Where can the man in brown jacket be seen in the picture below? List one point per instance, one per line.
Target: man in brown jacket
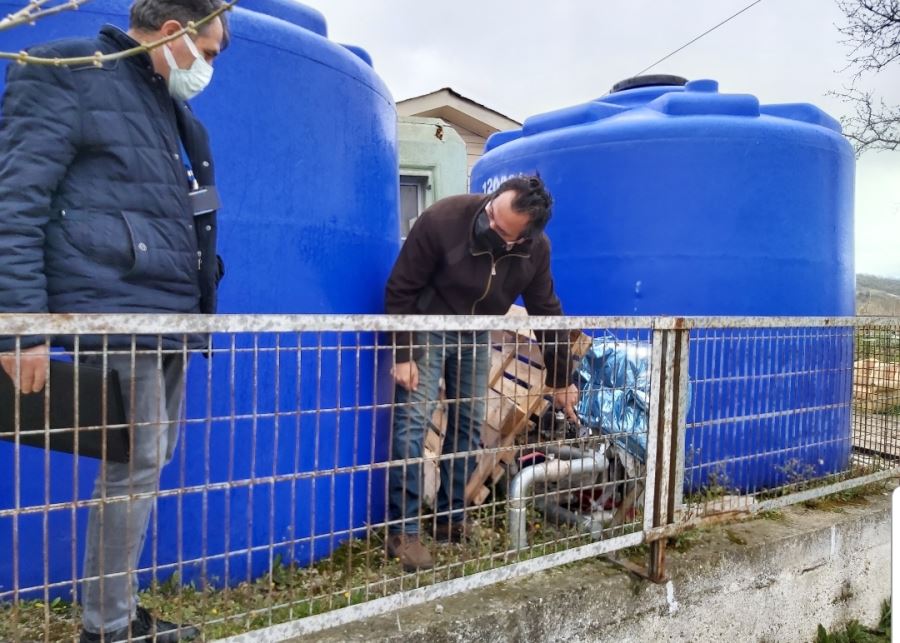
(471, 254)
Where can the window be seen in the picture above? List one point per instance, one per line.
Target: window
(412, 201)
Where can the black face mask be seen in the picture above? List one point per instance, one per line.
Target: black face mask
(485, 237)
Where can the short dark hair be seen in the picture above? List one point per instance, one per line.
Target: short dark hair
(150, 15)
(532, 198)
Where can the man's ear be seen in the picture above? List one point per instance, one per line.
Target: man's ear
(170, 27)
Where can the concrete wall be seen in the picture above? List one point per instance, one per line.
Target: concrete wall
(430, 147)
(474, 147)
(759, 580)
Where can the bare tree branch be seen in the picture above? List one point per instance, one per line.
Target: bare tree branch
(33, 12)
(872, 33)
(98, 59)
(874, 125)
(17, 16)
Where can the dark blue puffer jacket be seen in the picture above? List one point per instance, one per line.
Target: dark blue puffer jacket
(94, 208)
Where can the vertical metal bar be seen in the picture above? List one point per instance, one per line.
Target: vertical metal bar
(428, 414)
(823, 398)
(857, 436)
(207, 480)
(762, 392)
(373, 428)
(681, 387)
(101, 546)
(298, 426)
(254, 427)
(179, 426)
(794, 367)
(354, 460)
(488, 350)
(761, 374)
(663, 455)
(780, 381)
(657, 383)
(276, 426)
(232, 430)
(391, 433)
(76, 461)
(17, 475)
(664, 437)
(335, 462)
(742, 351)
(721, 412)
(847, 361)
(45, 517)
(316, 437)
(702, 403)
(476, 399)
(146, 425)
(745, 410)
(670, 361)
(295, 470)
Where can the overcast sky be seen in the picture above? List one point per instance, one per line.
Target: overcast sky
(529, 56)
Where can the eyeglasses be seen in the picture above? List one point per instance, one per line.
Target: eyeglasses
(489, 209)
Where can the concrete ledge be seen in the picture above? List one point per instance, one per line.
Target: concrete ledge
(758, 580)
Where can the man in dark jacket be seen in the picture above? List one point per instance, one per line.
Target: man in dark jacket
(96, 216)
(466, 255)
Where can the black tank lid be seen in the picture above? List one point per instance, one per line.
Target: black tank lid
(651, 80)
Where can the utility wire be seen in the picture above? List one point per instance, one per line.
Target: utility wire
(707, 32)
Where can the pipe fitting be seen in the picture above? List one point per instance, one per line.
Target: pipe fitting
(548, 471)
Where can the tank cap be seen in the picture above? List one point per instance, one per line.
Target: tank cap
(704, 85)
(360, 53)
(650, 80)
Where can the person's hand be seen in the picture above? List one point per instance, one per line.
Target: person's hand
(406, 374)
(33, 363)
(566, 399)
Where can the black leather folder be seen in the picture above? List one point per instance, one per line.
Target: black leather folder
(96, 422)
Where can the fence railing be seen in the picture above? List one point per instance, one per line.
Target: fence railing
(301, 471)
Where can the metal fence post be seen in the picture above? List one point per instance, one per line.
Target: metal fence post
(668, 402)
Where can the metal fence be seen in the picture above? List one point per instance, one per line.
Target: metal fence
(297, 460)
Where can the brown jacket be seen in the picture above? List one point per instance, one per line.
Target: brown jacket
(442, 270)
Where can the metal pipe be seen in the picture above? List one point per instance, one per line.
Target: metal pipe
(556, 514)
(566, 452)
(547, 471)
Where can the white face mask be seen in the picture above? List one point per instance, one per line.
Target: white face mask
(184, 84)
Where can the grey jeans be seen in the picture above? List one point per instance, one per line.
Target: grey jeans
(152, 391)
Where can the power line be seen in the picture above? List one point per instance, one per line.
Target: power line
(708, 31)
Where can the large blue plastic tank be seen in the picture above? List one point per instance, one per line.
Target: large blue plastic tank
(304, 137)
(679, 200)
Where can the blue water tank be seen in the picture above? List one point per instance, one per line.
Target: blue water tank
(304, 137)
(676, 199)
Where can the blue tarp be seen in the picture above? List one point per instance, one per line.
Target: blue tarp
(615, 391)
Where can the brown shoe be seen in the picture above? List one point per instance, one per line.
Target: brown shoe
(453, 532)
(409, 549)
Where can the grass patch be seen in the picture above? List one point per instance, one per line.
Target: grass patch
(853, 632)
(356, 572)
(637, 554)
(857, 496)
(686, 540)
(771, 514)
(58, 620)
(717, 486)
(805, 480)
